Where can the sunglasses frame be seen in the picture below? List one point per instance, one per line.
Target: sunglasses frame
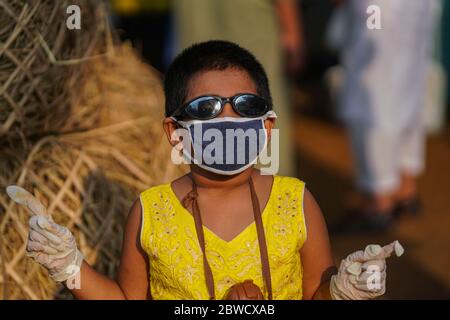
(223, 101)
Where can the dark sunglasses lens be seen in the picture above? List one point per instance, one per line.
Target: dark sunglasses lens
(251, 106)
(203, 108)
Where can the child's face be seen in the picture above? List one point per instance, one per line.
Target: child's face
(224, 83)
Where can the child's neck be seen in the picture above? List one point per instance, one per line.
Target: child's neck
(207, 180)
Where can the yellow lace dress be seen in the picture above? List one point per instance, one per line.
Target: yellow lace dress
(169, 238)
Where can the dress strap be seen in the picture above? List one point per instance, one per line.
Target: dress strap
(261, 239)
(191, 200)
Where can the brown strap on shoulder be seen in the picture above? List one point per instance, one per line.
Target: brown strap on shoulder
(190, 200)
(261, 239)
(192, 197)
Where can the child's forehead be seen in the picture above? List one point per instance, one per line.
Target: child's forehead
(225, 83)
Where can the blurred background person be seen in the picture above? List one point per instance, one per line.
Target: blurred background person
(382, 106)
(270, 29)
(445, 39)
(147, 24)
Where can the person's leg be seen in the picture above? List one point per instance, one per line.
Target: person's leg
(411, 161)
(408, 186)
(412, 158)
(377, 177)
(375, 156)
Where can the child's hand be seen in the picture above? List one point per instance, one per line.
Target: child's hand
(49, 244)
(54, 247)
(362, 275)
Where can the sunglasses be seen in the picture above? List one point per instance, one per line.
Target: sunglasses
(208, 107)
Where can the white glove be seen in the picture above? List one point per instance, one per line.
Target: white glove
(362, 275)
(50, 244)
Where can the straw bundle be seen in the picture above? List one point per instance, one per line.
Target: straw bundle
(40, 69)
(85, 156)
(34, 40)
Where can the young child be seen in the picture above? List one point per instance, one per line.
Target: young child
(165, 255)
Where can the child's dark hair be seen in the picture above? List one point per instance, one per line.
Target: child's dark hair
(206, 56)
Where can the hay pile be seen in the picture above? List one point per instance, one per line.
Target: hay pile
(84, 136)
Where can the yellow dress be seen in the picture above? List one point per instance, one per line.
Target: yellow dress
(169, 238)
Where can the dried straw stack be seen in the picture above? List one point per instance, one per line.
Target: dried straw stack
(79, 128)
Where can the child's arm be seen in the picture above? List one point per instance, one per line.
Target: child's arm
(54, 247)
(317, 260)
(132, 280)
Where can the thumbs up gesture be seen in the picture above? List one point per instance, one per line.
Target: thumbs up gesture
(362, 275)
(51, 245)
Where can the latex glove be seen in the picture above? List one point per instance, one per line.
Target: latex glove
(49, 244)
(362, 275)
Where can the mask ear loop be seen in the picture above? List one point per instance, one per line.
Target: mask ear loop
(270, 114)
(188, 155)
(174, 120)
(182, 126)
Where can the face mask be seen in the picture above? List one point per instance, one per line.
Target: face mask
(225, 145)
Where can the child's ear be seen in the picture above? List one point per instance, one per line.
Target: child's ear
(170, 126)
(269, 123)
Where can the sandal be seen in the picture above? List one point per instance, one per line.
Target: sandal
(364, 221)
(412, 207)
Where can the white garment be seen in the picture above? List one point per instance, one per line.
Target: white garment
(384, 89)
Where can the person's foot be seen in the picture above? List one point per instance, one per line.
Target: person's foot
(407, 201)
(412, 207)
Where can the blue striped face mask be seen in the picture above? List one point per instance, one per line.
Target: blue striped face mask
(225, 145)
